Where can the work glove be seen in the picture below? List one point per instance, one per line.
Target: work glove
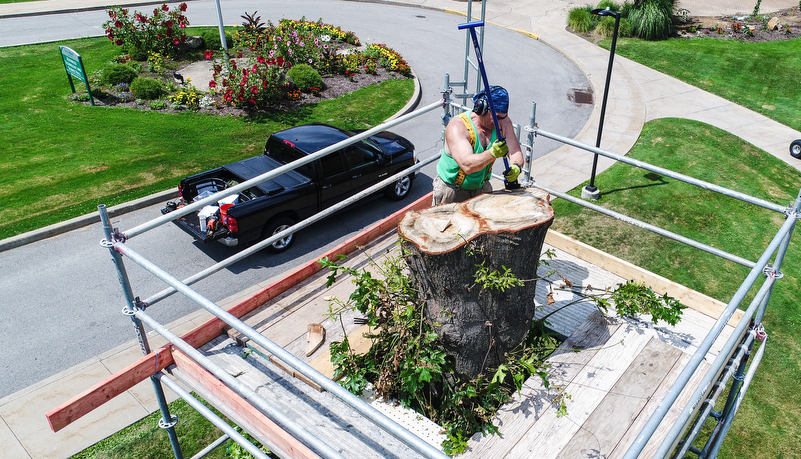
(499, 149)
(512, 173)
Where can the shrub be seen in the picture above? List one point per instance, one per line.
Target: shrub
(580, 19)
(305, 77)
(607, 27)
(189, 97)
(139, 34)
(253, 85)
(211, 39)
(158, 105)
(117, 73)
(146, 88)
(652, 19)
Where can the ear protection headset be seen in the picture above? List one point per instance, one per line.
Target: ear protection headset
(480, 102)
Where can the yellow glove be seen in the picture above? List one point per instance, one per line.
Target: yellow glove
(499, 149)
(512, 173)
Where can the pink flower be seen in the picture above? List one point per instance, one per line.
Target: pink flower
(183, 26)
(310, 61)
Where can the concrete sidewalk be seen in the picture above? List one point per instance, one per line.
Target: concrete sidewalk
(637, 94)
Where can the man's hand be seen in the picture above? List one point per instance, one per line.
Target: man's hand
(512, 173)
(499, 149)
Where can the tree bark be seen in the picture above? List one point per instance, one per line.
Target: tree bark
(449, 243)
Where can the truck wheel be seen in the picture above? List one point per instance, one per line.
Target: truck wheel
(399, 189)
(276, 226)
(795, 148)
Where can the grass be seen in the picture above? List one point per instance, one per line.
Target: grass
(764, 77)
(63, 158)
(146, 440)
(768, 424)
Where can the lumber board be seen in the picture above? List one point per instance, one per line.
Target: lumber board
(688, 297)
(280, 440)
(516, 417)
(602, 431)
(100, 393)
(551, 433)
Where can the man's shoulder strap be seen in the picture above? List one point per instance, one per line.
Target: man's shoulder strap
(465, 117)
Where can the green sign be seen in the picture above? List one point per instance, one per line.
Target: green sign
(74, 67)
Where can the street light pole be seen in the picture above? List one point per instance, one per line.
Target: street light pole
(591, 191)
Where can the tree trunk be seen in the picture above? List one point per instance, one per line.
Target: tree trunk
(449, 243)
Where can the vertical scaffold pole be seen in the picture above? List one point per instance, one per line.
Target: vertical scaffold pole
(168, 421)
(532, 123)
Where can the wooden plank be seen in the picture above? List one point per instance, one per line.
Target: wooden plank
(671, 416)
(610, 421)
(551, 433)
(282, 440)
(516, 417)
(82, 404)
(91, 398)
(688, 297)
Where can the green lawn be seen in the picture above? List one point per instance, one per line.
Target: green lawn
(769, 422)
(765, 77)
(61, 158)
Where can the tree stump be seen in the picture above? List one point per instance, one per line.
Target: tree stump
(447, 245)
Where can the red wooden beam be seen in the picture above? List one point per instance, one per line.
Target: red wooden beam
(85, 402)
(246, 412)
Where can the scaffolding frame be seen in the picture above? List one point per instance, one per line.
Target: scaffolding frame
(730, 363)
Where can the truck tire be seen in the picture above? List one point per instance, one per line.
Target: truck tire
(795, 149)
(277, 225)
(399, 189)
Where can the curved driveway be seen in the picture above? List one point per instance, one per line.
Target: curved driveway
(60, 297)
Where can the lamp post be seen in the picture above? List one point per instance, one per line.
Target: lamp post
(591, 191)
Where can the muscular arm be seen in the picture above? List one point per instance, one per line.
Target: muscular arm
(457, 144)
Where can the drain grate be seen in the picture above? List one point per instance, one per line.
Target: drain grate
(580, 96)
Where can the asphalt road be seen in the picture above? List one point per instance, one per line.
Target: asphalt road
(60, 300)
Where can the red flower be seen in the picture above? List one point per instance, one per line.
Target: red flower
(165, 7)
(168, 23)
(254, 90)
(176, 41)
(280, 61)
(255, 69)
(260, 60)
(118, 42)
(125, 11)
(208, 55)
(111, 14)
(155, 12)
(118, 24)
(182, 7)
(158, 35)
(183, 26)
(212, 84)
(252, 101)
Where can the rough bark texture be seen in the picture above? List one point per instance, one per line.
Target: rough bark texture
(446, 246)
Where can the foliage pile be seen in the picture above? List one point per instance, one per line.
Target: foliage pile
(406, 363)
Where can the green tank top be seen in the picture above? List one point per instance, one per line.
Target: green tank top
(450, 172)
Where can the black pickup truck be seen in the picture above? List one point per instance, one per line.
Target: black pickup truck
(274, 205)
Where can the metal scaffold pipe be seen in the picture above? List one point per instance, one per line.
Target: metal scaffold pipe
(666, 172)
